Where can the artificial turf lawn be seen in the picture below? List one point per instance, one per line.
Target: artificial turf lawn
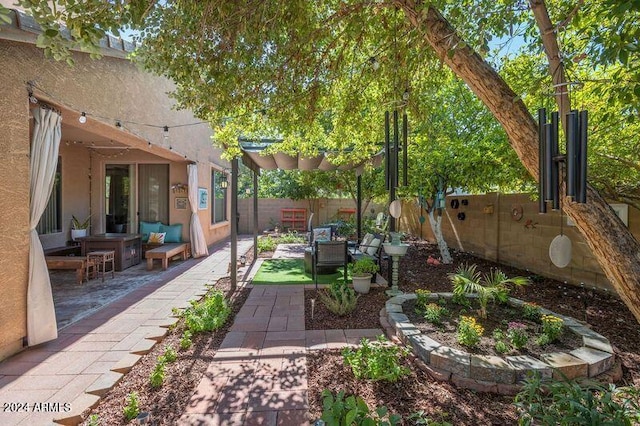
(291, 271)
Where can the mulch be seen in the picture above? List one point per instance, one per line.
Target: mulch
(439, 401)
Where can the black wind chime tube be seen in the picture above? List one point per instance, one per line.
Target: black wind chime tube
(405, 150)
(548, 162)
(555, 167)
(582, 158)
(396, 151)
(572, 148)
(542, 121)
(387, 152)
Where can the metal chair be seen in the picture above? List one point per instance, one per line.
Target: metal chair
(329, 253)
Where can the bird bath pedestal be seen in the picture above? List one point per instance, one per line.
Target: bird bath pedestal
(396, 251)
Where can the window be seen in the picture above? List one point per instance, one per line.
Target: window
(218, 197)
(51, 220)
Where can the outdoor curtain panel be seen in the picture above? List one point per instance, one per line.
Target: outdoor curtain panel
(198, 243)
(41, 316)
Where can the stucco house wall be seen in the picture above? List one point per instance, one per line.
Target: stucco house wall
(109, 89)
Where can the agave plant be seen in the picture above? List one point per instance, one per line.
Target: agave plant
(488, 287)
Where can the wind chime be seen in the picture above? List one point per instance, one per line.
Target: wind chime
(550, 161)
(392, 154)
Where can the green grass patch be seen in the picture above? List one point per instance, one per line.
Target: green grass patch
(291, 271)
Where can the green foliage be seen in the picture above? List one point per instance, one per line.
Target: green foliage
(208, 314)
(290, 238)
(488, 287)
(552, 327)
(462, 300)
(156, 378)
(170, 354)
(566, 402)
(501, 347)
(266, 243)
(379, 360)
(517, 335)
(421, 418)
(363, 266)
(131, 409)
(422, 298)
(94, 420)
(468, 331)
(543, 340)
(339, 298)
(352, 410)
(78, 224)
(531, 311)
(185, 340)
(433, 313)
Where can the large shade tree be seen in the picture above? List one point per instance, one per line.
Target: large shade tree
(295, 59)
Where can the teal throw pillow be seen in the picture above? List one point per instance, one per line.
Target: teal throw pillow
(147, 228)
(174, 233)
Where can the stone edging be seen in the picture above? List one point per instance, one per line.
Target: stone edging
(500, 374)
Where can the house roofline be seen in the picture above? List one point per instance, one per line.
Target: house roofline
(24, 28)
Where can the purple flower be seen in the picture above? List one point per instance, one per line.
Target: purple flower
(513, 325)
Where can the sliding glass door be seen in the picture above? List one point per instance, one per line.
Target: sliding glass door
(153, 193)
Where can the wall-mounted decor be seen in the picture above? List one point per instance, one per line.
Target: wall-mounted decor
(203, 198)
(516, 212)
(465, 202)
(488, 209)
(179, 188)
(461, 216)
(455, 204)
(181, 203)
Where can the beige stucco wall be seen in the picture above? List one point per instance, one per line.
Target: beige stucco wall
(107, 89)
(490, 231)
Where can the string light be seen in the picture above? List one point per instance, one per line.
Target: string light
(166, 133)
(118, 124)
(83, 118)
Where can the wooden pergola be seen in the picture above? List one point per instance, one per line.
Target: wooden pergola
(256, 159)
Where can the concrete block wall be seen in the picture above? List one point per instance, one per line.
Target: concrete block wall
(491, 230)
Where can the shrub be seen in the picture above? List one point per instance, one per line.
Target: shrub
(469, 332)
(566, 402)
(185, 340)
(364, 265)
(131, 410)
(266, 243)
(433, 313)
(488, 287)
(208, 314)
(542, 340)
(531, 311)
(288, 238)
(552, 326)
(339, 298)
(422, 298)
(517, 334)
(501, 347)
(170, 354)
(338, 410)
(379, 360)
(156, 378)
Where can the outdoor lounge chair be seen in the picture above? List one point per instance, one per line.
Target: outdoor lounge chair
(329, 253)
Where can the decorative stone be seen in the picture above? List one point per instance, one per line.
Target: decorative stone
(492, 369)
(516, 303)
(393, 307)
(406, 329)
(423, 345)
(524, 364)
(453, 360)
(476, 385)
(435, 373)
(598, 362)
(505, 389)
(565, 365)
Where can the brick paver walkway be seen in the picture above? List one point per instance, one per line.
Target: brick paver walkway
(259, 375)
(56, 381)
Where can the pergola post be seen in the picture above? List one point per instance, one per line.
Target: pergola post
(255, 215)
(234, 222)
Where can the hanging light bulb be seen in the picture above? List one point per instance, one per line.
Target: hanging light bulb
(374, 63)
(83, 118)
(118, 124)
(405, 95)
(166, 133)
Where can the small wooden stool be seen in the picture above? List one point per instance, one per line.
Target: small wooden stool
(100, 260)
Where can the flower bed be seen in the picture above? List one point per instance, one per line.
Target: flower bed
(501, 374)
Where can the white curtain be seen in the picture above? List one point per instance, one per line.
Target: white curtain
(41, 315)
(198, 242)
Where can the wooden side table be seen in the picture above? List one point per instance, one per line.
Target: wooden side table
(100, 260)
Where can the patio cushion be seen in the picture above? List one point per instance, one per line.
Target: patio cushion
(322, 234)
(366, 241)
(174, 233)
(147, 228)
(373, 247)
(157, 238)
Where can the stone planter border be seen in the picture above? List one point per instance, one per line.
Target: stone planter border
(500, 374)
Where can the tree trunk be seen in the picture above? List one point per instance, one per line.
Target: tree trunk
(436, 227)
(612, 244)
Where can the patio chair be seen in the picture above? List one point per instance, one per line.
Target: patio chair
(331, 254)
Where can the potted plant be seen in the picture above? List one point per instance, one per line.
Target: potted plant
(362, 272)
(79, 228)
